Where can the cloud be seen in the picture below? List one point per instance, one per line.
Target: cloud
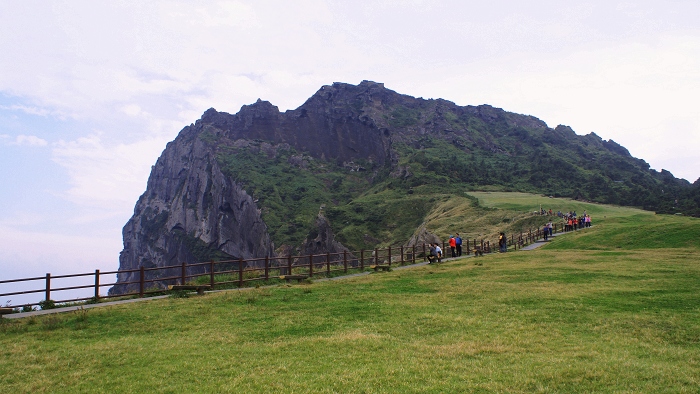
(107, 175)
(221, 13)
(31, 110)
(25, 140)
(132, 110)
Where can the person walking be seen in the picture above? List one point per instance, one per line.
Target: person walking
(453, 246)
(458, 245)
(502, 242)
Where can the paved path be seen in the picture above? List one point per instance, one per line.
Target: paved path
(76, 308)
(539, 242)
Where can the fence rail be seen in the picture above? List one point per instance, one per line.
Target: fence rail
(240, 272)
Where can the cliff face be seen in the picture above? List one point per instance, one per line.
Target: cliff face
(194, 211)
(324, 127)
(191, 212)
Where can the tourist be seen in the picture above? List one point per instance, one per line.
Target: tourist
(503, 243)
(458, 244)
(433, 253)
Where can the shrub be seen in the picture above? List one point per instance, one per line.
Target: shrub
(47, 304)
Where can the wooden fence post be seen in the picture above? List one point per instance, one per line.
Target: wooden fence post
(97, 285)
(211, 274)
(267, 267)
(311, 265)
(345, 261)
(362, 260)
(413, 253)
(142, 281)
(388, 252)
(402, 256)
(289, 264)
(183, 273)
(328, 264)
(425, 256)
(48, 287)
(240, 272)
(376, 256)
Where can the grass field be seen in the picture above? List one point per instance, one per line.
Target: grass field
(614, 308)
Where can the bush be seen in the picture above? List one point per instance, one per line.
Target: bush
(47, 304)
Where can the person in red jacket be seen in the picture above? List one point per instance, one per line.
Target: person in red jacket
(453, 245)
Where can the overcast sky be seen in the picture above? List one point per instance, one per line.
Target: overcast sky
(91, 91)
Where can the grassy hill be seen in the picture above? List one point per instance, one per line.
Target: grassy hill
(614, 308)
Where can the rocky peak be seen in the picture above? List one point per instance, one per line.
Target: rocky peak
(321, 239)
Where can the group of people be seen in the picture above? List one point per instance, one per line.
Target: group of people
(456, 245)
(435, 253)
(548, 230)
(455, 249)
(573, 222)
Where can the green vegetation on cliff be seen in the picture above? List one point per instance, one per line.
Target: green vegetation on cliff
(370, 205)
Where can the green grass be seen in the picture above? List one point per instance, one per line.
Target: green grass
(620, 317)
(531, 202)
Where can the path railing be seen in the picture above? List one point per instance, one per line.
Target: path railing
(241, 272)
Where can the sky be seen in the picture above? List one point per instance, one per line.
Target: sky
(92, 91)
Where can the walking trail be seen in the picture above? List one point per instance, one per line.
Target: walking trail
(532, 246)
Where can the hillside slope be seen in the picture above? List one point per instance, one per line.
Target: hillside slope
(614, 308)
(376, 164)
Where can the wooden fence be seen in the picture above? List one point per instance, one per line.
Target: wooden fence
(245, 272)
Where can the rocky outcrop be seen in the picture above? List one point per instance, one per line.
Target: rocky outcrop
(324, 127)
(321, 240)
(191, 212)
(422, 236)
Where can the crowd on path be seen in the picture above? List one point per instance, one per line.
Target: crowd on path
(571, 222)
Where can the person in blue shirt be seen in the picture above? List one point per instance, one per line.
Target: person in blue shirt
(458, 245)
